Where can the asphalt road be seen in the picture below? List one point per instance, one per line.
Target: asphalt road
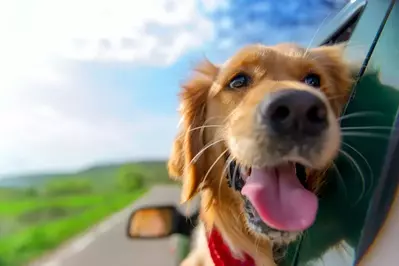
(107, 245)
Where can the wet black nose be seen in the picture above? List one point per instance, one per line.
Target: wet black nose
(294, 113)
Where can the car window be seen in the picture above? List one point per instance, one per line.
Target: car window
(384, 62)
(345, 200)
(345, 33)
(341, 26)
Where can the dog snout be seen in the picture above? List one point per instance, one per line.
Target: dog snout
(294, 113)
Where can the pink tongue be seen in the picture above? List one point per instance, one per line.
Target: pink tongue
(280, 199)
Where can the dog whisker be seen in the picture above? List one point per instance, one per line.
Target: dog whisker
(316, 32)
(203, 127)
(320, 27)
(225, 172)
(214, 163)
(359, 114)
(235, 175)
(358, 168)
(368, 127)
(195, 158)
(340, 178)
(365, 161)
(212, 118)
(205, 124)
(364, 134)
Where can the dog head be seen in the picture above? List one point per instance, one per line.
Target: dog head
(267, 119)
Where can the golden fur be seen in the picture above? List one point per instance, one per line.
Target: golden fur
(215, 120)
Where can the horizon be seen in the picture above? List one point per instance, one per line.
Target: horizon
(82, 168)
(103, 87)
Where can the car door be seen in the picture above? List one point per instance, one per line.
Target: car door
(383, 68)
(367, 122)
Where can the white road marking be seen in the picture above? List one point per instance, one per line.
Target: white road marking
(52, 263)
(104, 228)
(84, 241)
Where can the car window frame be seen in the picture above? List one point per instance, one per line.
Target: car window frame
(378, 206)
(384, 194)
(340, 21)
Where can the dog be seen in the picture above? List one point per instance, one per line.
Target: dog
(256, 137)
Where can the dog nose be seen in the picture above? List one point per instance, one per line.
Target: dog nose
(294, 113)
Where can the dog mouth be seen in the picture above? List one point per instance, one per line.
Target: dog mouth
(278, 194)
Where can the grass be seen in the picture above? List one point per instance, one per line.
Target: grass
(24, 205)
(37, 217)
(36, 239)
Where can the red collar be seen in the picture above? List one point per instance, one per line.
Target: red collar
(221, 254)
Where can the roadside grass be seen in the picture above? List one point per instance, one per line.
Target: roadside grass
(31, 241)
(35, 220)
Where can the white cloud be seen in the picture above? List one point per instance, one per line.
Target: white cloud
(50, 116)
(68, 124)
(151, 31)
(212, 5)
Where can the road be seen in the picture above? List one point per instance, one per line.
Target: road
(107, 245)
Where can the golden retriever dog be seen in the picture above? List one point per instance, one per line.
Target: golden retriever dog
(256, 137)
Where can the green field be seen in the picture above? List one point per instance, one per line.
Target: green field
(39, 212)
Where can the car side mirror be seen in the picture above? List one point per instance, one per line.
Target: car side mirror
(154, 222)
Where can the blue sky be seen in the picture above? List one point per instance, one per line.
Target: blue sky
(91, 81)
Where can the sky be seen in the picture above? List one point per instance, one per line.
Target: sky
(84, 82)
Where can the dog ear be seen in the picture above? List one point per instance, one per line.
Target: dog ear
(341, 71)
(187, 160)
(333, 59)
(176, 159)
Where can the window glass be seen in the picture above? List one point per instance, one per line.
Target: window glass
(345, 33)
(384, 63)
(345, 199)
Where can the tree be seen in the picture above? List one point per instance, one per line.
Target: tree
(130, 179)
(59, 187)
(31, 192)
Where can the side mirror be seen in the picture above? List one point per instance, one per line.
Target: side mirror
(154, 222)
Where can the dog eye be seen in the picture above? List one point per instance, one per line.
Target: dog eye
(239, 81)
(312, 80)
